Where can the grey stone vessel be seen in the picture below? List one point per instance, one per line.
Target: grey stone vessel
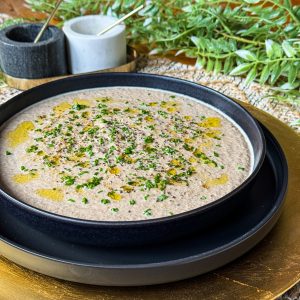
(21, 58)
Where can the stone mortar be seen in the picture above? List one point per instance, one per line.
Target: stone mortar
(20, 57)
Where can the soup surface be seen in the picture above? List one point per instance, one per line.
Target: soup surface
(121, 154)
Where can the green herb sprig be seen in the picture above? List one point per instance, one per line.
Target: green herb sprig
(257, 39)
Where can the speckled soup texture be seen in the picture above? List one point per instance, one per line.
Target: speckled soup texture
(122, 154)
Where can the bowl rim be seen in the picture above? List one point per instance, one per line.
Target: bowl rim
(143, 222)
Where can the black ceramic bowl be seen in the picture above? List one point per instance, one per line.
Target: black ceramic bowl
(133, 233)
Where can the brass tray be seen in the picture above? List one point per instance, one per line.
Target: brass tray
(266, 272)
(25, 83)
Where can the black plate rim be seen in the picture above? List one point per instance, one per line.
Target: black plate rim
(124, 224)
(270, 218)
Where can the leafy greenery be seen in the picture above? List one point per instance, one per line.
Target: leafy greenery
(252, 38)
(10, 22)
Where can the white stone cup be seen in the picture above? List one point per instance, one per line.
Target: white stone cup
(88, 52)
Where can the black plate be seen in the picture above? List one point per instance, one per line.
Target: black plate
(134, 233)
(147, 265)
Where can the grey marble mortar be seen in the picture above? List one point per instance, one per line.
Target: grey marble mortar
(20, 57)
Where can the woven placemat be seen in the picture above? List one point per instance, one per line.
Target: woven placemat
(234, 87)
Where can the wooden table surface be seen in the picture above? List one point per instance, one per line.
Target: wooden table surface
(17, 8)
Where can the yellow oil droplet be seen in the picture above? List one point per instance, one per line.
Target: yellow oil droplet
(198, 152)
(207, 144)
(192, 160)
(61, 108)
(216, 181)
(188, 118)
(114, 195)
(20, 134)
(165, 104)
(172, 109)
(131, 111)
(55, 160)
(86, 164)
(85, 114)
(175, 163)
(173, 132)
(152, 104)
(188, 141)
(173, 103)
(114, 170)
(172, 172)
(127, 188)
(130, 160)
(149, 119)
(213, 133)
(192, 169)
(41, 153)
(80, 191)
(210, 122)
(51, 194)
(126, 158)
(82, 102)
(87, 127)
(76, 158)
(25, 178)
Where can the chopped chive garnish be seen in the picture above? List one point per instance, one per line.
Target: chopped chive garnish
(85, 200)
(105, 201)
(148, 212)
(161, 198)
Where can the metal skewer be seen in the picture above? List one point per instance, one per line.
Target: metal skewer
(40, 34)
(120, 20)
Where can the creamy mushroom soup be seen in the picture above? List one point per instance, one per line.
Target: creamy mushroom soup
(121, 154)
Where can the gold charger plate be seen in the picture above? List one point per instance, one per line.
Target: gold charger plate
(265, 272)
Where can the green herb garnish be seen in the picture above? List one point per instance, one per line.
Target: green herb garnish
(32, 148)
(85, 200)
(148, 139)
(68, 180)
(78, 106)
(148, 212)
(161, 198)
(105, 201)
